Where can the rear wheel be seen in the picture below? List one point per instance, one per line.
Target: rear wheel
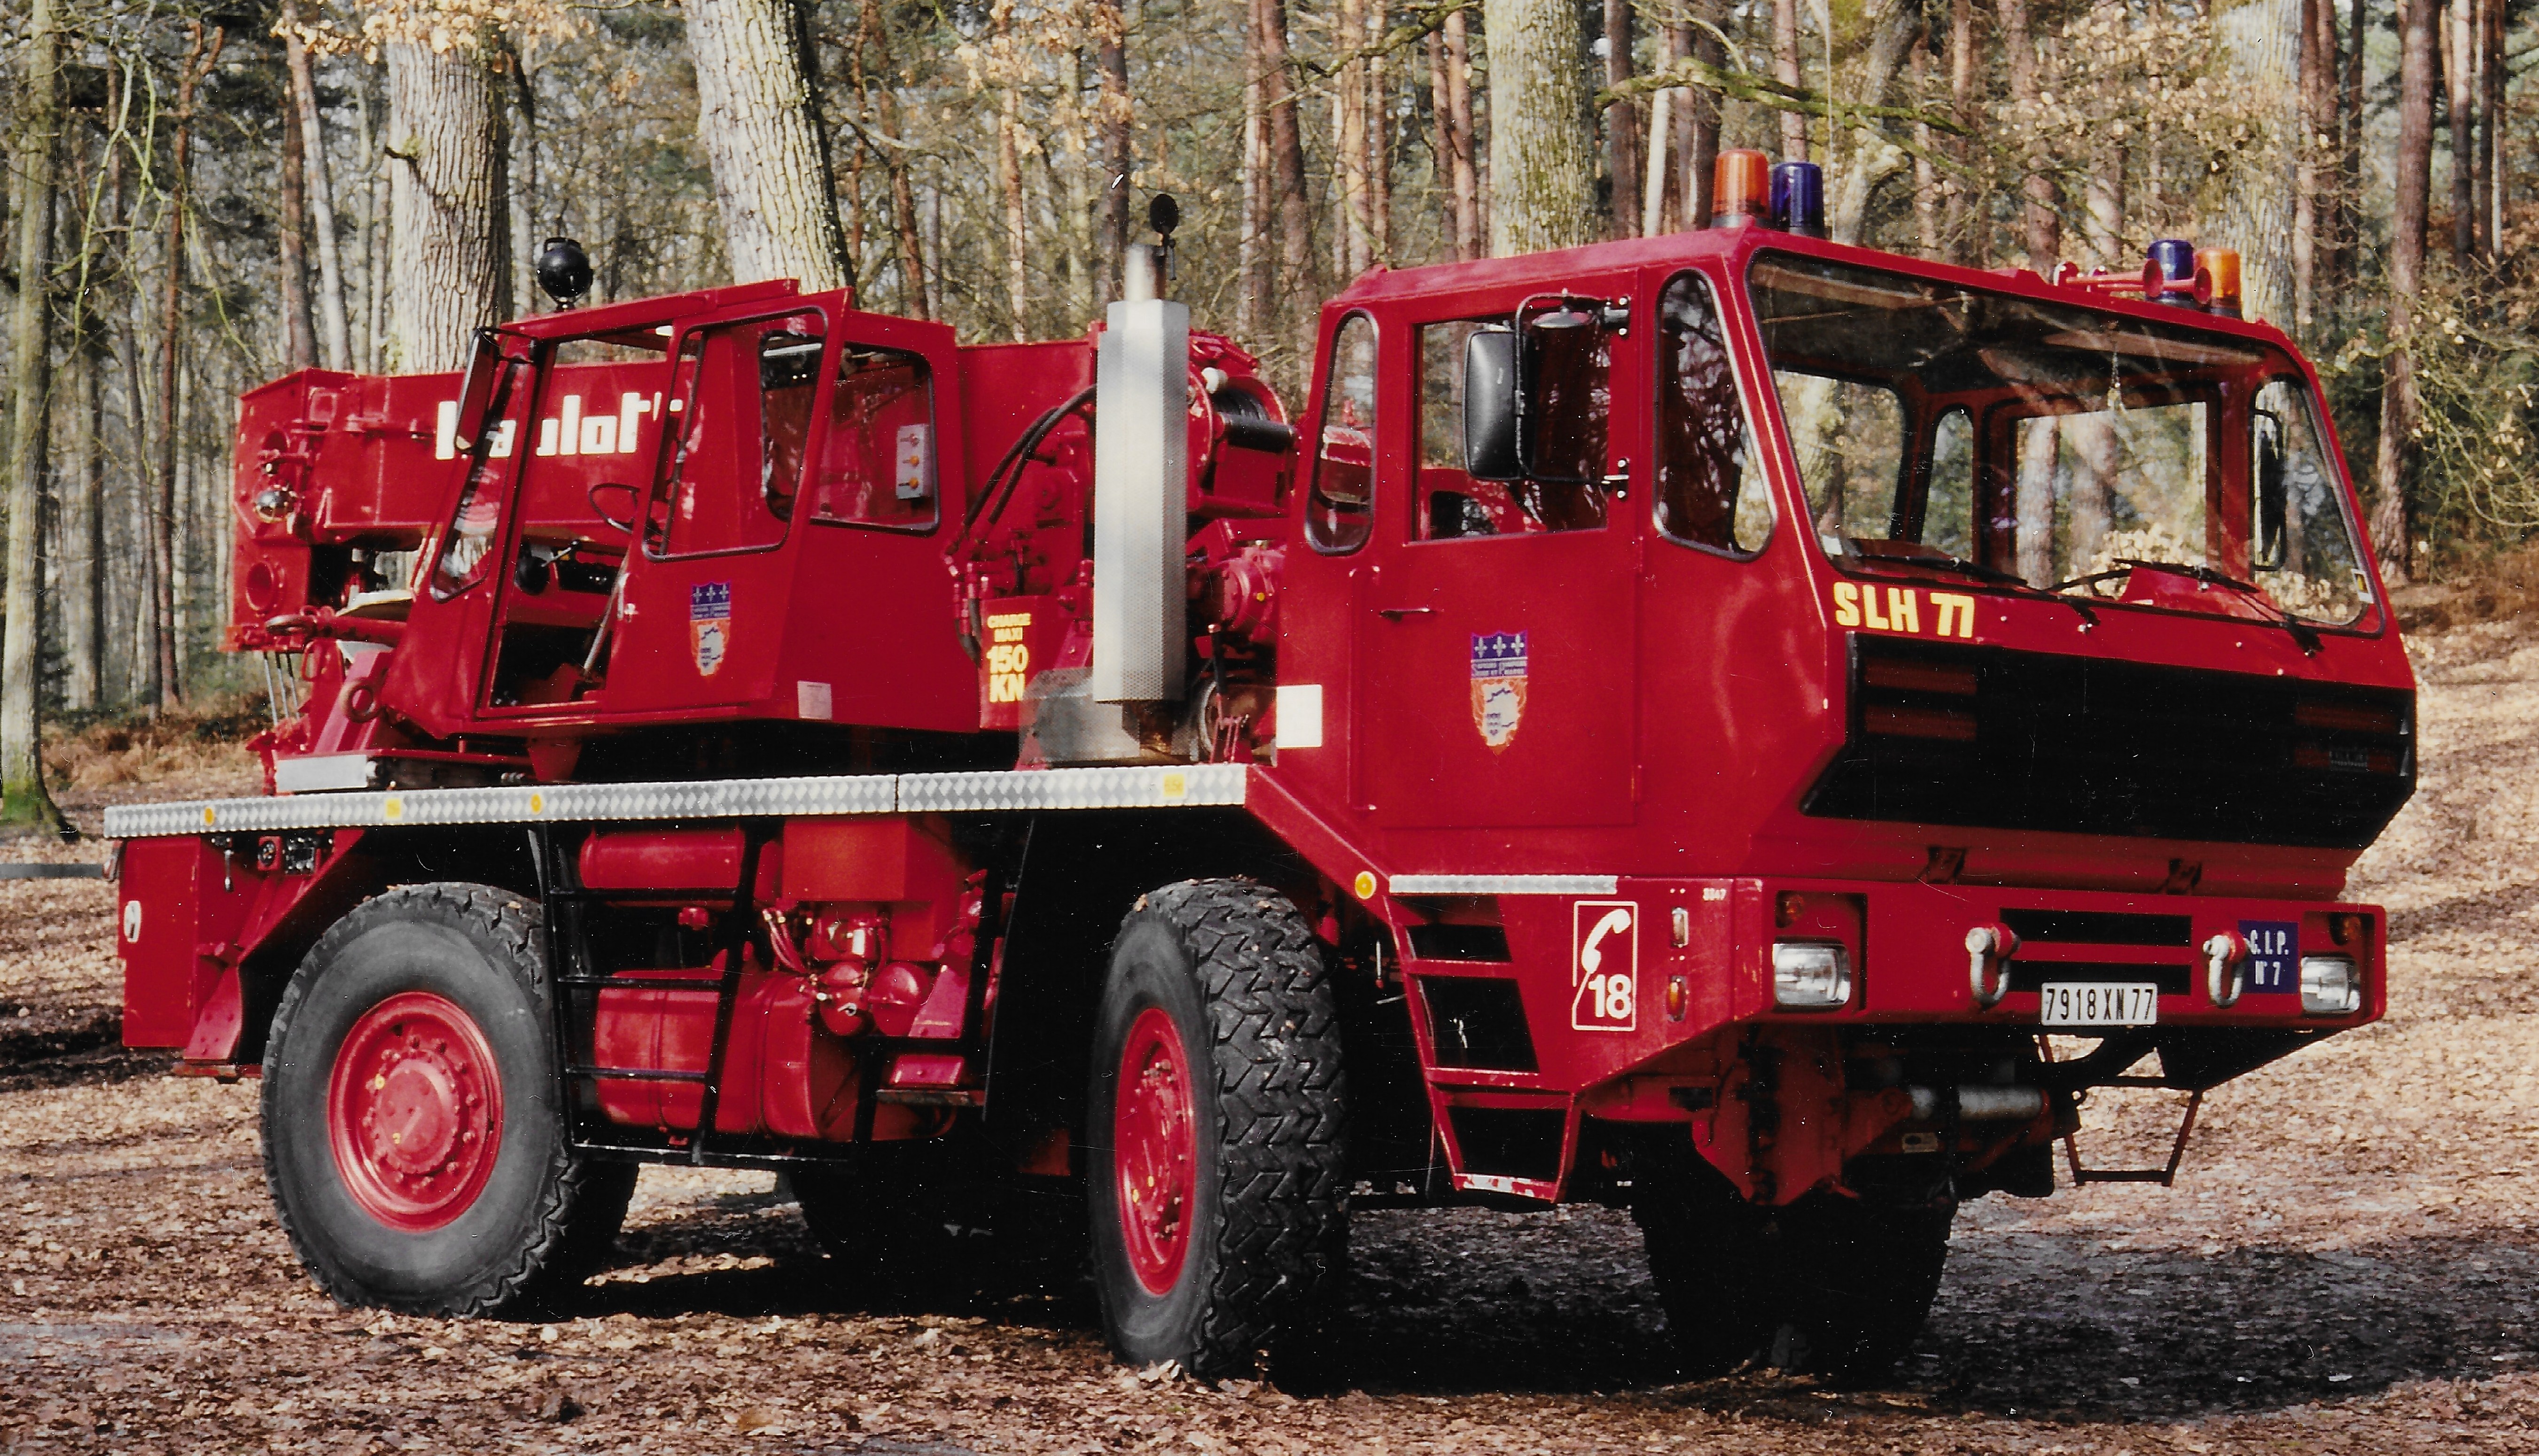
(1215, 1172)
(411, 1138)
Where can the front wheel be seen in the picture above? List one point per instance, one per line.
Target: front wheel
(411, 1138)
(1830, 1286)
(1215, 1173)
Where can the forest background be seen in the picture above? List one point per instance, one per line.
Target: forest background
(202, 196)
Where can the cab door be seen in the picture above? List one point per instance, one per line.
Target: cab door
(1498, 618)
(704, 607)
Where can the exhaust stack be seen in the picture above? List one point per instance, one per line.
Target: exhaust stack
(1140, 490)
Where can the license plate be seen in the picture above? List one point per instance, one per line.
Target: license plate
(2096, 1003)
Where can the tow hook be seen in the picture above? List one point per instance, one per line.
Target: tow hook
(2225, 964)
(1988, 952)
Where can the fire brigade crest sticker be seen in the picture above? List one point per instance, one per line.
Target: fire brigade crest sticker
(1498, 686)
(710, 624)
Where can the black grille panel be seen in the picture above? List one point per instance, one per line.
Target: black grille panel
(2089, 746)
(2099, 926)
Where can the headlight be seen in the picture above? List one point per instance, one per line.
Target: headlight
(2330, 986)
(1810, 975)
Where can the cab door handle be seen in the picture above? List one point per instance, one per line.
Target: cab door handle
(1397, 613)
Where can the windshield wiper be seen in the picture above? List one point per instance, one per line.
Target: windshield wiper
(2303, 634)
(1993, 575)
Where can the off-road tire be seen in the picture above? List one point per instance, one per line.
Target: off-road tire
(1711, 1256)
(543, 1221)
(1859, 1275)
(1828, 1285)
(1235, 969)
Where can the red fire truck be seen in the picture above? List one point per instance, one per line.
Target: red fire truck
(1736, 725)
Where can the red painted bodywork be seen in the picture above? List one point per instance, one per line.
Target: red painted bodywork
(1680, 705)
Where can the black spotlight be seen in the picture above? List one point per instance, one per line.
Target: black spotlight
(564, 271)
(1163, 215)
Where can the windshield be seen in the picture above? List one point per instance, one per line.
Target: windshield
(2074, 449)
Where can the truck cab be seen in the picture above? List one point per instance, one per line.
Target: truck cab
(1902, 660)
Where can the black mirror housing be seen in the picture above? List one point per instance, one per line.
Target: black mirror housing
(2267, 551)
(1491, 406)
(476, 395)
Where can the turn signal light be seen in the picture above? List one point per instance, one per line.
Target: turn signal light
(1919, 678)
(1900, 720)
(2349, 718)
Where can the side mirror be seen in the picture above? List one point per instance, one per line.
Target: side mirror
(2266, 554)
(476, 395)
(1491, 406)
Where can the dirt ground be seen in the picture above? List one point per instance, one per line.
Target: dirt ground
(2349, 1261)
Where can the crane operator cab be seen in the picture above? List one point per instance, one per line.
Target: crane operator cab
(681, 481)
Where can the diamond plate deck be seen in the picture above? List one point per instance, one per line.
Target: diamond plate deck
(1194, 786)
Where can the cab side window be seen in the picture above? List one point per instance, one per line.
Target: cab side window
(1340, 512)
(1566, 357)
(1710, 492)
(741, 422)
(878, 467)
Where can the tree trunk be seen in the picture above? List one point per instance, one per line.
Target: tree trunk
(1441, 144)
(1379, 151)
(1926, 177)
(203, 53)
(1009, 181)
(2349, 145)
(2410, 200)
(375, 232)
(1785, 69)
(335, 330)
(1962, 103)
(2459, 71)
(1622, 123)
(1278, 104)
(908, 240)
(2491, 185)
(1701, 145)
(1543, 158)
(1117, 115)
(2313, 67)
(1353, 248)
(1874, 160)
(762, 137)
(520, 192)
(447, 272)
(1251, 290)
(2043, 224)
(80, 556)
(1465, 175)
(22, 800)
(298, 343)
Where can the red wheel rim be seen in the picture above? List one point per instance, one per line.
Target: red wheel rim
(414, 1109)
(1157, 1152)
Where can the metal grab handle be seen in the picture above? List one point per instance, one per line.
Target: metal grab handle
(1397, 613)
